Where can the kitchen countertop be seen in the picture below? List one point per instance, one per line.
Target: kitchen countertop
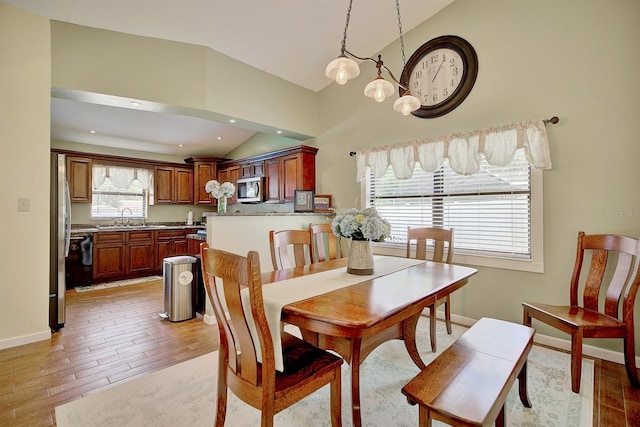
(268, 213)
(95, 229)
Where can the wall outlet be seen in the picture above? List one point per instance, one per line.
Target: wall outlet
(24, 204)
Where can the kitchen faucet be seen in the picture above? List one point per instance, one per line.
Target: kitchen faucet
(122, 215)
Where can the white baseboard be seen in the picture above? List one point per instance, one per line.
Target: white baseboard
(25, 339)
(558, 343)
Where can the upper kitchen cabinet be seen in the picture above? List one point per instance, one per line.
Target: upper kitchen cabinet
(203, 172)
(284, 170)
(230, 173)
(252, 169)
(173, 185)
(79, 179)
(294, 169)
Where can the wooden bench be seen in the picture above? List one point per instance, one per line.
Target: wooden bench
(468, 384)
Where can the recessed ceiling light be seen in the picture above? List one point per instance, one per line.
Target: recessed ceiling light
(92, 131)
(219, 138)
(232, 120)
(278, 131)
(135, 103)
(181, 145)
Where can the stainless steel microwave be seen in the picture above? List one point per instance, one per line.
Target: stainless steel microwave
(250, 190)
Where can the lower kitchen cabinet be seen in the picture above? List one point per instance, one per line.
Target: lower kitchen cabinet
(172, 243)
(140, 252)
(109, 255)
(135, 253)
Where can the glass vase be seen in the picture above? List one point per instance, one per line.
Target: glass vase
(222, 204)
(360, 260)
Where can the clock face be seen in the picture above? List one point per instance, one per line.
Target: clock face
(436, 76)
(440, 74)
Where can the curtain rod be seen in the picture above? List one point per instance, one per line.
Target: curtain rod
(553, 120)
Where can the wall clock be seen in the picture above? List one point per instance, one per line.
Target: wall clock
(440, 74)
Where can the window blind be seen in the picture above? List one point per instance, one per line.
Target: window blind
(490, 210)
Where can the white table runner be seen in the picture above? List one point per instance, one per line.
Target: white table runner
(277, 295)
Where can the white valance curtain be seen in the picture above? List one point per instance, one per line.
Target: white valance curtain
(464, 151)
(121, 177)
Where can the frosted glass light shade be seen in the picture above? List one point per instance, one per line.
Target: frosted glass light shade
(406, 104)
(342, 69)
(378, 89)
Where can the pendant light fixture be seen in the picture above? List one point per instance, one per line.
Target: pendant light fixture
(343, 69)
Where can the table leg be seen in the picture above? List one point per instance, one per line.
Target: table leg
(354, 363)
(409, 337)
(522, 386)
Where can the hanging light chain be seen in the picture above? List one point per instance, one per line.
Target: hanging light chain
(404, 62)
(346, 25)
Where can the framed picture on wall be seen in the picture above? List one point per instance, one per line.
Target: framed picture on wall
(322, 202)
(303, 201)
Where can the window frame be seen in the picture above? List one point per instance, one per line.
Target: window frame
(534, 265)
(145, 194)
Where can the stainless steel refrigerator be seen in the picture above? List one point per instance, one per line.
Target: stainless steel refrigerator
(59, 240)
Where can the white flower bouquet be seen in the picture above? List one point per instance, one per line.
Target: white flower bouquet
(361, 225)
(217, 190)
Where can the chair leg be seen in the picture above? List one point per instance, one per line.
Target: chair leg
(447, 314)
(576, 360)
(336, 399)
(630, 359)
(221, 409)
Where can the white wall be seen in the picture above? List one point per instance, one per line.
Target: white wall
(25, 82)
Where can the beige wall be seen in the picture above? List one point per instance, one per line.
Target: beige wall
(25, 82)
(576, 59)
(177, 74)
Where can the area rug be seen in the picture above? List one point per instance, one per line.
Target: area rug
(184, 394)
(125, 282)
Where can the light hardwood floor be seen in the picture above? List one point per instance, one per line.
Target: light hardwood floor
(115, 335)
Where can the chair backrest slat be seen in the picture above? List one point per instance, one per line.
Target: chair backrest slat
(442, 243)
(612, 273)
(226, 275)
(324, 244)
(280, 243)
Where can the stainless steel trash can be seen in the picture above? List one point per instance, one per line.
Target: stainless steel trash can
(178, 282)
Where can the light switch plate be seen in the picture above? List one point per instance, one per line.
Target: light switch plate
(24, 204)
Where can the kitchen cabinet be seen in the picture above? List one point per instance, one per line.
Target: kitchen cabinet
(123, 253)
(288, 173)
(252, 169)
(135, 253)
(230, 174)
(173, 185)
(79, 179)
(171, 243)
(203, 172)
(272, 171)
(109, 255)
(140, 252)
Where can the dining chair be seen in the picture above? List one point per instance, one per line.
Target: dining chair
(442, 241)
(283, 243)
(612, 277)
(324, 244)
(248, 371)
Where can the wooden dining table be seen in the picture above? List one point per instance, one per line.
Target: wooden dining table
(354, 320)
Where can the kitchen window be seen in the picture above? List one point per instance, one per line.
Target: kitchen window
(116, 188)
(496, 212)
